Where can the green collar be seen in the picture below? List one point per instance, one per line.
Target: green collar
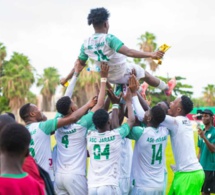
(17, 176)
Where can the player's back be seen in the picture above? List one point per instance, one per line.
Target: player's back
(71, 149)
(183, 145)
(104, 150)
(148, 158)
(40, 147)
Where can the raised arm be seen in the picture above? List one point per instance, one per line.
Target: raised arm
(101, 97)
(79, 63)
(128, 98)
(139, 54)
(76, 115)
(77, 69)
(115, 100)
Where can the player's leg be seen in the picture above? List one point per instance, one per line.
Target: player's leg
(209, 183)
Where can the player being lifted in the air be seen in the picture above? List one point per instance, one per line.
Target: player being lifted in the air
(105, 47)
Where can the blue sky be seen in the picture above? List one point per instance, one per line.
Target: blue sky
(50, 32)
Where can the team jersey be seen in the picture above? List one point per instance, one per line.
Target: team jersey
(207, 158)
(40, 145)
(182, 141)
(148, 158)
(72, 146)
(104, 47)
(19, 184)
(105, 153)
(126, 158)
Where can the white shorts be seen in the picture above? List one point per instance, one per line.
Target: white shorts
(105, 190)
(146, 191)
(124, 185)
(124, 79)
(71, 184)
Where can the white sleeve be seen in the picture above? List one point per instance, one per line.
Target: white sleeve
(70, 88)
(170, 123)
(138, 108)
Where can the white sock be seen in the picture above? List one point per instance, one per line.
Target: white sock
(162, 85)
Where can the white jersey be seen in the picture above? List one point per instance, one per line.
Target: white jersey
(105, 153)
(104, 47)
(126, 158)
(148, 158)
(182, 140)
(72, 146)
(40, 145)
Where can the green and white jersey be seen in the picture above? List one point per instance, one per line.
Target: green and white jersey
(126, 158)
(182, 141)
(149, 153)
(104, 47)
(72, 146)
(40, 145)
(207, 158)
(105, 154)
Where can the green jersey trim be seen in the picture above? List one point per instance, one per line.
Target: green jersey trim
(113, 42)
(16, 176)
(48, 126)
(83, 56)
(124, 130)
(136, 133)
(86, 120)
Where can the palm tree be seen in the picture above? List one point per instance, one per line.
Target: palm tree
(3, 54)
(49, 82)
(209, 94)
(85, 86)
(16, 80)
(147, 44)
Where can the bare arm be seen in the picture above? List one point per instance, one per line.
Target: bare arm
(79, 63)
(104, 74)
(143, 102)
(131, 118)
(139, 54)
(75, 116)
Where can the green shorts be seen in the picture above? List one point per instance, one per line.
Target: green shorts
(187, 183)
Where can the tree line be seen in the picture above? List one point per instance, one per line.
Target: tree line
(17, 76)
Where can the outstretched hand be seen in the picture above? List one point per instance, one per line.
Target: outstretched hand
(133, 84)
(128, 96)
(157, 55)
(92, 102)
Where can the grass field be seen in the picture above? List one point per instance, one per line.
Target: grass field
(169, 158)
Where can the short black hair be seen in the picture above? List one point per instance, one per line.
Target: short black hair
(100, 118)
(5, 120)
(24, 111)
(187, 104)
(14, 139)
(158, 115)
(63, 105)
(11, 115)
(98, 16)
